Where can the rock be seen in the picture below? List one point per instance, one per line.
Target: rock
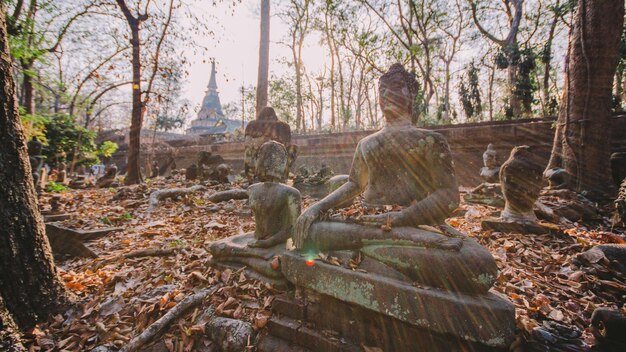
(230, 335)
(608, 327)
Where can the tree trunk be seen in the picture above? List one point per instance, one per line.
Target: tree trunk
(29, 89)
(515, 103)
(133, 174)
(29, 284)
(330, 40)
(581, 146)
(264, 57)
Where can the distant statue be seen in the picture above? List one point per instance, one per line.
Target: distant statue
(108, 180)
(491, 169)
(266, 127)
(154, 170)
(521, 179)
(35, 149)
(489, 191)
(62, 173)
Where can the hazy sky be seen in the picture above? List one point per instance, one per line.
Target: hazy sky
(235, 47)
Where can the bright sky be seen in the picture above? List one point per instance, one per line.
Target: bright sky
(235, 48)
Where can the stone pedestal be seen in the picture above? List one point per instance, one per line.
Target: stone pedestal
(348, 309)
(234, 253)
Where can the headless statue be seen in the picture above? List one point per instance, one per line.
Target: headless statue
(276, 207)
(265, 128)
(410, 167)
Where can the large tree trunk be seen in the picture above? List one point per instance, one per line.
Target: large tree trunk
(581, 146)
(29, 284)
(133, 173)
(264, 57)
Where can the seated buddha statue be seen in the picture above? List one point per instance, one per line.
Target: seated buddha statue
(411, 169)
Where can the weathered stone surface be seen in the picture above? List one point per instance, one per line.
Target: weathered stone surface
(235, 252)
(276, 207)
(265, 128)
(488, 319)
(66, 241)
(230, 335)
(615, 254)
(521, 180)
(108, 180)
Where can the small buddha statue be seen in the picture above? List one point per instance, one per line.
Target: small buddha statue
(62, 174)
(490, 171)
(35, 149)
(275, 206)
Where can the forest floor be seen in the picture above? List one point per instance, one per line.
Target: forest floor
(118, 296)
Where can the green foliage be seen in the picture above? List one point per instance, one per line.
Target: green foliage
(106, 149)
(282, 97)
(469, 92)
(55, 187)
(526, 83)
(65, 136)
(34, 126)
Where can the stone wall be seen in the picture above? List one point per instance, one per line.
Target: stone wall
(467, 142)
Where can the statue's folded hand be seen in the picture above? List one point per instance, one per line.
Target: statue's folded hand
(303, 224)
(378, 220)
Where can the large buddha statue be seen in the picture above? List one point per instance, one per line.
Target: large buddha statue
(401, 165)
(397, 277)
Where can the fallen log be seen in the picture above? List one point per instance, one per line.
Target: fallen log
(157, 196)
(160, 326)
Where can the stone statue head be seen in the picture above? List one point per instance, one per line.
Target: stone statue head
(267, 114)
(490, 157)
(397, 90)
(271, 162)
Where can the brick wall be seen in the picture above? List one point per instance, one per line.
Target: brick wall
(467, 142)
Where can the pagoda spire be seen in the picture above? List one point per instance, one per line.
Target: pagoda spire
(212, 81)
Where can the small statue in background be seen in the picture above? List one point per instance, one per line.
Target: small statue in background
(521, 179)
(35, 149)
(154, 171)
(491, 169)
(265, 128)
(62, 173)
(108, 180)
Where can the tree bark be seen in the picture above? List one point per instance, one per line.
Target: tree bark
(264, 57)
(10, 339)
(133, 173)
(581, 146)
(29, 284)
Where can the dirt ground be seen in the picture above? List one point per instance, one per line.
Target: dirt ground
(118, 295)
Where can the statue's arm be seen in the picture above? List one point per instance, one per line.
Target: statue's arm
(355, 185)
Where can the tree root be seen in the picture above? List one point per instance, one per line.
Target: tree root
(140, 254)
(157, 196)
(160, 326)
(228, 195)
